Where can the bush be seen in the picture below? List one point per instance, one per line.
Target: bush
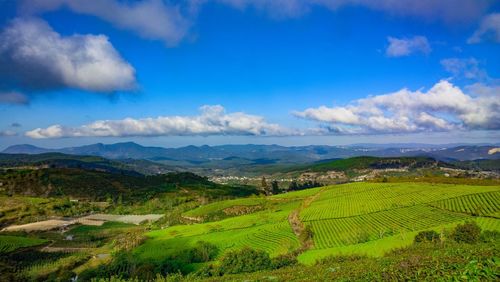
(489, 236)
(203, 252)
(171, 265)
(306, 234)
(427, 236)
(244, 260)
(469, 232)
(283, 261)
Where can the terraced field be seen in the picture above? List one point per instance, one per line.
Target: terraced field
(12, 243)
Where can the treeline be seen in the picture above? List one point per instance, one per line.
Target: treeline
(275, 188)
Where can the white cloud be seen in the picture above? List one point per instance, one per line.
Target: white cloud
(399, 47)
(443, 107)
(151, 19)
(13, 97)
(36, 57)
(212, 121)
(489, 29)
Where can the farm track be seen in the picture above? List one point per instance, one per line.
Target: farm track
(296, 223)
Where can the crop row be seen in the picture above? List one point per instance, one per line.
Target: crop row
(358, 229)
(476, 204)
(276, 238)
(360, 198)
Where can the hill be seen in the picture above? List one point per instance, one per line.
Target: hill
(96, 184)
(88, 162)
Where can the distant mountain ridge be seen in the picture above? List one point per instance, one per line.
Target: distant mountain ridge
(196, 155)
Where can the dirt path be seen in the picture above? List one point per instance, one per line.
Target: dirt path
(298, 226)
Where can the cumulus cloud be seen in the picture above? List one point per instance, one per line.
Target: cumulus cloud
(399, 47)
(35, 57)
(213, 120)
(444, 107)
(13, 97)
(151, 19)
(488, 30)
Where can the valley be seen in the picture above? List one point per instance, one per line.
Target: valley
(90, 217)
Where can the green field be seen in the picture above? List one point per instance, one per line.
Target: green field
(267, 230)
(12, 243)
(362, 218)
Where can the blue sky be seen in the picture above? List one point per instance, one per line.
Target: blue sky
(292, 73)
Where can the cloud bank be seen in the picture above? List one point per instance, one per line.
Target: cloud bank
(35, 57)
(150, 19)
(449, 11)
(212, 121)
(400, 47)
(444, 107)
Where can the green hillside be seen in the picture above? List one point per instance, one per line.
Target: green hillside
(102, 185)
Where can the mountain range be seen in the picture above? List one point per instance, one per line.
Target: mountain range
(265, 154)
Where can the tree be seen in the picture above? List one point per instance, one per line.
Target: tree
(245, 260)
(293, 186)
(275, 187)
(265, 187)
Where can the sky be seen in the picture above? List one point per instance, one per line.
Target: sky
(290, 72)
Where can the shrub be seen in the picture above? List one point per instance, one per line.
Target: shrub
(489, 236)
(203, 252)
(306, 234)
(172, 265)
(283, 261)
(468, 232)
(427, 236)
(244, 260)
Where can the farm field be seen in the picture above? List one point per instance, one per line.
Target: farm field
(39, 225)
(133, 219)
(363, 218)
